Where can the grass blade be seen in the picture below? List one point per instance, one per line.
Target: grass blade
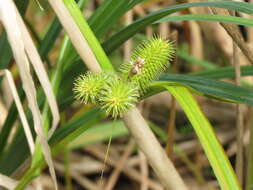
(224, 72)
(7, 182)
(214, 151)
(212, 88)
(88, 35)
(50, 38)
(209, 17)
(116, 40)
(21, 112)
(41, 73)
(10, 17)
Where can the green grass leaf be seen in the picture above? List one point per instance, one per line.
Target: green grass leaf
(108, 13)
(213, 149)
(209, 17)
(224, 72)
(212, 88)
(120, 37)
(77, 15)
(100, 132)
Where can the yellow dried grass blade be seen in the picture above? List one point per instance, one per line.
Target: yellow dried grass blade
(9, 183)
(9, 19)
(20, 109)
(35, 60)
(79, 42)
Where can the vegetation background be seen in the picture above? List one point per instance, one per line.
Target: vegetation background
(199, 110)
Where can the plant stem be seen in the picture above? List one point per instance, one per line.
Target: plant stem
(149, 145)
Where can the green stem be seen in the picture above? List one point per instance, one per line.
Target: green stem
(88, 35)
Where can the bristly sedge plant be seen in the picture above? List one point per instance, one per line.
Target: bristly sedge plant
(117, 93)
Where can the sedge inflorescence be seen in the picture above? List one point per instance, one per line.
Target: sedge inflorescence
(117, 93)
(148, 61)
(88, 86)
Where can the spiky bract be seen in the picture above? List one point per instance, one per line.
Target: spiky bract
(88, 86)
(148, 61)
(118, 96)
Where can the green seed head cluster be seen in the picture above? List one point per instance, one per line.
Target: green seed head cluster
(116, 94)
(87, 87)
(107, 90)
(148, 61)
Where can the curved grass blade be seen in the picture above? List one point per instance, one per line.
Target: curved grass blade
(108, 13)
(60, 139)
(88, 34)
(212, 88)
(224, 72)
(182, 54)
(124, 34)
(17, 39)
(20, 108)
(213, 149)
(209, 17)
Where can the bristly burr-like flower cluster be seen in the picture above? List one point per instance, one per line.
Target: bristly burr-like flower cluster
(116, 94)
(107, 90)
(148, 61)
(88, 86)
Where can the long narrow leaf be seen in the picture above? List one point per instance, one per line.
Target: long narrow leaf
(224, 72)
(124, 34)
(214, 151)
(213, 88)
(88, 34)
(209, 17)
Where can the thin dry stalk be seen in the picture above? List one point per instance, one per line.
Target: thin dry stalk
(3, 112)
(20, 109)
(37, 183)
(239, 120)
(7, 99)
(75, 35)
(85, 182)
(137, 126)
(129, 171)
(164, 27)
(7, 182)
(9, 18)
(120, 165)
(213, 31)
(36, 61)
(78, 177)
(144, 171)
(128, 44)
(235, 34)
(172, 113)
(171, 128)
(196, 41)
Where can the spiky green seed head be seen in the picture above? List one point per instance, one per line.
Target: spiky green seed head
(118, 96)
(148, 61)
(88, 86)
